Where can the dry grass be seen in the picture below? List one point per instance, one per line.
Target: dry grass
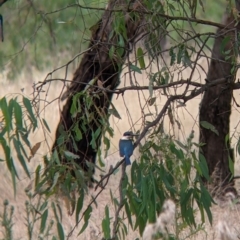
(130, 106)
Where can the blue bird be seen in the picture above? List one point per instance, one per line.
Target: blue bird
(126, 146)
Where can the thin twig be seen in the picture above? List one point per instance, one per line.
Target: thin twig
(130, 10)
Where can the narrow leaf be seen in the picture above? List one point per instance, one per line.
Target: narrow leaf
(114, 112)
(55, 180)
(140, 57)
(209, 126)
(6, 114)
(20, 157)
(71, 155)
(18, 115)
(46, 125)
(79, 205)
(203, 166)
(28, 106)
(135, 68)
(60, 231)
(87, 215)
(106, 224)
(44, 220)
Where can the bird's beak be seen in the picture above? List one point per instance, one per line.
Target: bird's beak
(134, 135)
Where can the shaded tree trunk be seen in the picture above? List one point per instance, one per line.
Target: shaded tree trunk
(216, 107)
(85, 115)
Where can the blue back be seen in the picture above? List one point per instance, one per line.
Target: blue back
(125, 148)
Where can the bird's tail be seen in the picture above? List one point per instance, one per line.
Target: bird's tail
(127, 160)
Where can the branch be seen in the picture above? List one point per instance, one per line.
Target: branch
(131, 10)
(110, 172)
(185, 98)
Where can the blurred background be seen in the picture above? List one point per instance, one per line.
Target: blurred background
(42, 40)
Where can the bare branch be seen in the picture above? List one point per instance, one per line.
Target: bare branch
(131, 10)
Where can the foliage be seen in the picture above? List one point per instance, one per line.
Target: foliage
(166, 169)
(18, 122)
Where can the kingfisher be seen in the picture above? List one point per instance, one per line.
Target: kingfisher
(126, 146)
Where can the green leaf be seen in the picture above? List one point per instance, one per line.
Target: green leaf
(55, 211)
(206, 200)
(60, 231)
(32, 118)
(114, 112)
(227, 140)
(209, 126)
(78, 133)
(106, 224)
(21, 159)
(127, 209)
(180, 53)
(6, 114)
(18, 115)
(74, 107)
(87, 215)
(172, 56)
(203, 166)
(60, 211)
(140, 57)
(44, 220)
(24, 137)
(9, 162)
(79, 205)
(135, 68)
(120, 50)
(55, 180)
(43, 206)
(111, 52)
(71, 155)
(46, 125)
(106, 142)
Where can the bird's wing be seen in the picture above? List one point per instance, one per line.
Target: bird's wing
(128, 148)
(121, 148)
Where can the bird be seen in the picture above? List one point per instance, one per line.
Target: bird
(126, 146)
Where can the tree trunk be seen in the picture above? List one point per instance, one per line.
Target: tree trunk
(216, 107)
(85, 115)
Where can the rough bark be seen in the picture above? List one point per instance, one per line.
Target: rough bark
(216, 107)
(95, 64)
